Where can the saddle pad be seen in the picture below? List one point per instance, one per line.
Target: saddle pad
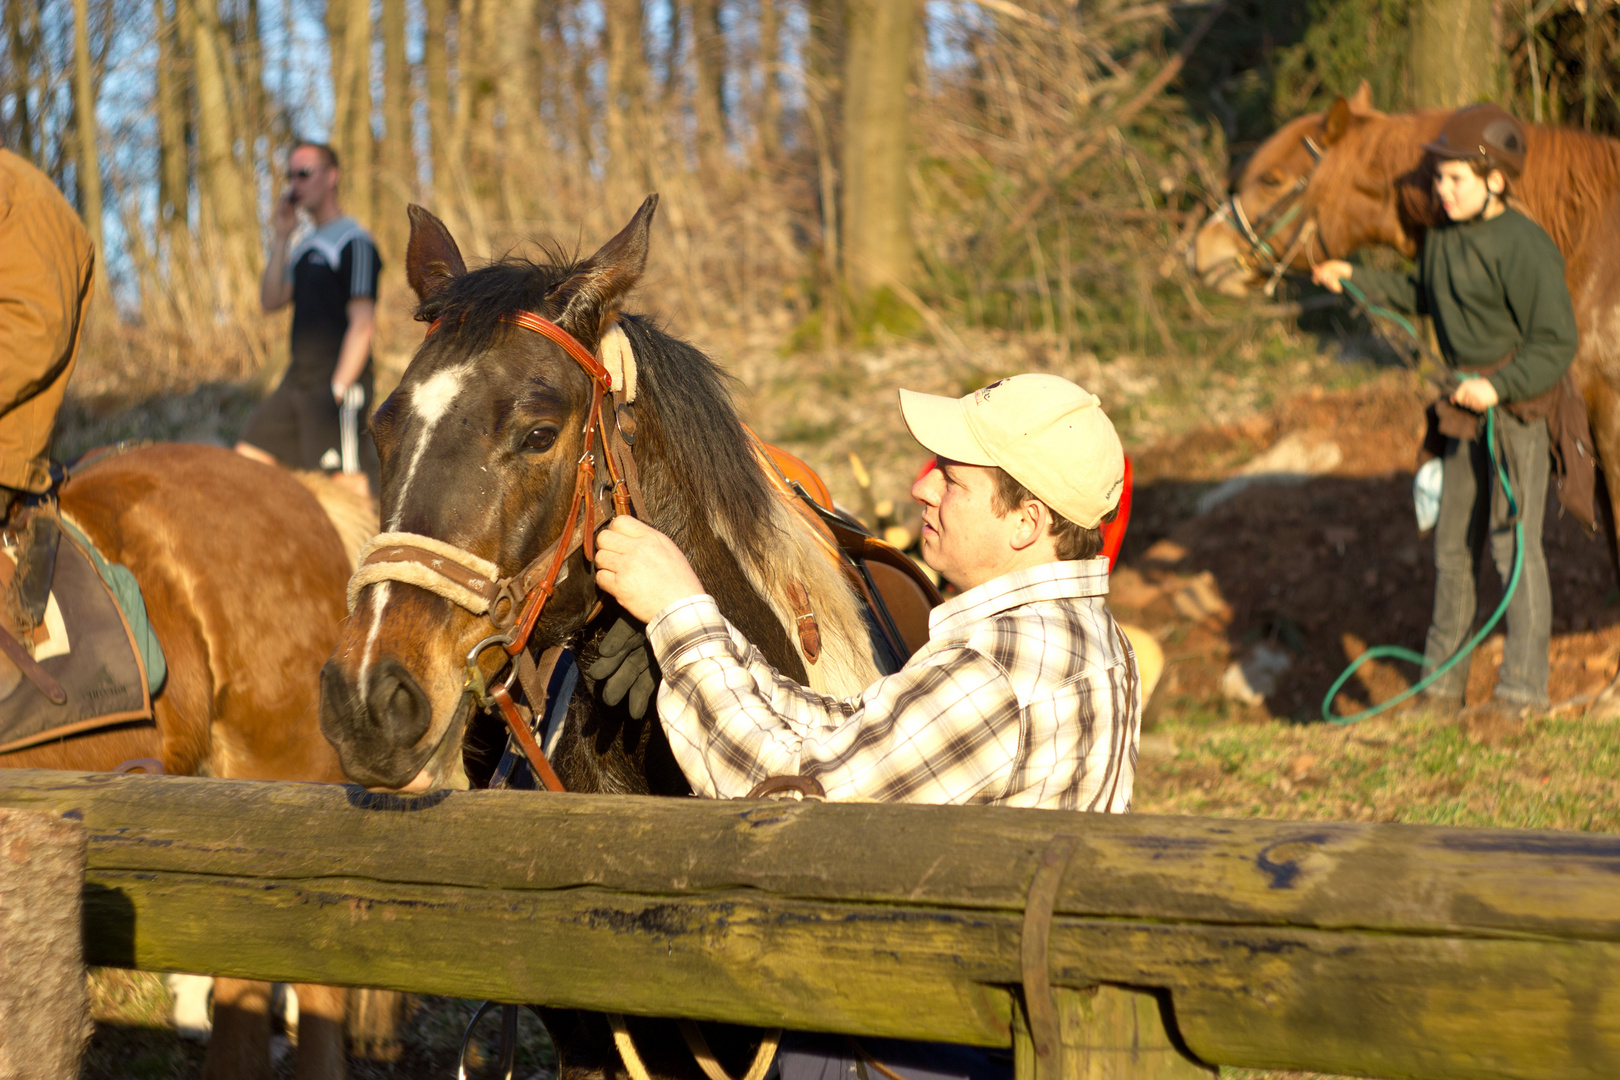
(91, 653)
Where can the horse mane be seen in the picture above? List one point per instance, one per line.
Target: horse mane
(712, 458)
(474, 304)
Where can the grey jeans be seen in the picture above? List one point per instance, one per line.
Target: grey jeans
(1466, 523)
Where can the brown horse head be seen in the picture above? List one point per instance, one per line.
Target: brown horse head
(480, 445)
(1323, 186)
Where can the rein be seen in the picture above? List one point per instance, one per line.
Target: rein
(513, 604)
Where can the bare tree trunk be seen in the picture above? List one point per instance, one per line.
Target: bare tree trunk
(225, 206)
(709, 60)
(769, 121)
(349, 27)
(84, 109)
(436, 59)
(877, 190)
(626, 171)
(1453, 53)
(255, 114)
(524, 172)
(174, 205)
(396, 181)
(22, 30)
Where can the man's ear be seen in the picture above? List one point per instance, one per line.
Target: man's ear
(1495, 182)
(1033, 521)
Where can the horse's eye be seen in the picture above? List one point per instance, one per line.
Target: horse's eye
(540, 439)
(1271, 179)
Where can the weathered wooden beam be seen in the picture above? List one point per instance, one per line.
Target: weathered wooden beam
(1381, 950)
(43, 1019)
(1111, 1033)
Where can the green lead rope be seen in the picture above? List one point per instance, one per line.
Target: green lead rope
(1396, 652)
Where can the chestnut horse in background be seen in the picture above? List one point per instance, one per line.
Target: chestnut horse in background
(243, 569)
(1329, 184)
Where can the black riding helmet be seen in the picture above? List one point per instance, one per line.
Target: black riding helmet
(1482, 131)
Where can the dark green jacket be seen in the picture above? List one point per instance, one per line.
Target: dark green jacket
(1494, 288)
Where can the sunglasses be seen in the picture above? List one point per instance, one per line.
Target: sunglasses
(300, 174)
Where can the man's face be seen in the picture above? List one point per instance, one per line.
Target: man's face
(963, 538)
(310, 178)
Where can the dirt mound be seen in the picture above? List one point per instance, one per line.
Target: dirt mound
(1318, 557)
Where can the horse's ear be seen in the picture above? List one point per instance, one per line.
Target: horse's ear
(431, 258)
(589, 297)
(1361, 103)
(1336, 122)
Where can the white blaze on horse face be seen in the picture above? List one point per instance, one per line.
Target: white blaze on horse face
(430, 402)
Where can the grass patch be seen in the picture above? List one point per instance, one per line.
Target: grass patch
(1557, 773)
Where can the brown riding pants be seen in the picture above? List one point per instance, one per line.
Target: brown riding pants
(46, 269)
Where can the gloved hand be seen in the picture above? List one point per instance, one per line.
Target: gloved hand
(623, 667)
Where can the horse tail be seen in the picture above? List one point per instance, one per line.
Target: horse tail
(351, 514)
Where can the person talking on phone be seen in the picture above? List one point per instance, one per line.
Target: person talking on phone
(313, 419)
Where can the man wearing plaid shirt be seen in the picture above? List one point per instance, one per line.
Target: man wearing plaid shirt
(1026, 693)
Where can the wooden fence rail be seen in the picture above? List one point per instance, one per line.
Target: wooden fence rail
(1378, 950)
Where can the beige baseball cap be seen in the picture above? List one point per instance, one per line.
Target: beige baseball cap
(1048, 433)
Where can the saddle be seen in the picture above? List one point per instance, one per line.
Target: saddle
(86, 657)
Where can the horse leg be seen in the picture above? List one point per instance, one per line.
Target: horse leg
(240, 1047)
(321, 1055)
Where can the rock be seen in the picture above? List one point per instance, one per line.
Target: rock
(1200, 598)
(1165, 551)
(1293, 459)
(1254, 678)
(1127, 588)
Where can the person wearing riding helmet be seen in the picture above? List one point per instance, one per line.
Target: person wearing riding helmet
(1493, 282)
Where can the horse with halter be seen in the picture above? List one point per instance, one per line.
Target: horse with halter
(1326, 185)
(533, 411)
(242, 568)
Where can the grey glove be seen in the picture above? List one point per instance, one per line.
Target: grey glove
(623, 667)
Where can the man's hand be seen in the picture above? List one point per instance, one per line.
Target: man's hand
(1331, 274)
(284, 216)
(1475, 394)
(642, 568)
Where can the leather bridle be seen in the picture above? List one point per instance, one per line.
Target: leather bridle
(1260, 233)
(513, 604)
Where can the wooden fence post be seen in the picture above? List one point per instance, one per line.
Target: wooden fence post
(1109, 1033)
(43, 1015)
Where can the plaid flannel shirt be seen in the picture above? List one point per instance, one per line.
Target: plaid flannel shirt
(1025, 695)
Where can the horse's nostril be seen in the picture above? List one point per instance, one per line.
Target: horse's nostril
(397, 705)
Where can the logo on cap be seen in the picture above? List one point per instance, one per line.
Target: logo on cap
(982, 395)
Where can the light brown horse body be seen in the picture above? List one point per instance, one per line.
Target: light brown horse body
(243, 575)
(1371, 186)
